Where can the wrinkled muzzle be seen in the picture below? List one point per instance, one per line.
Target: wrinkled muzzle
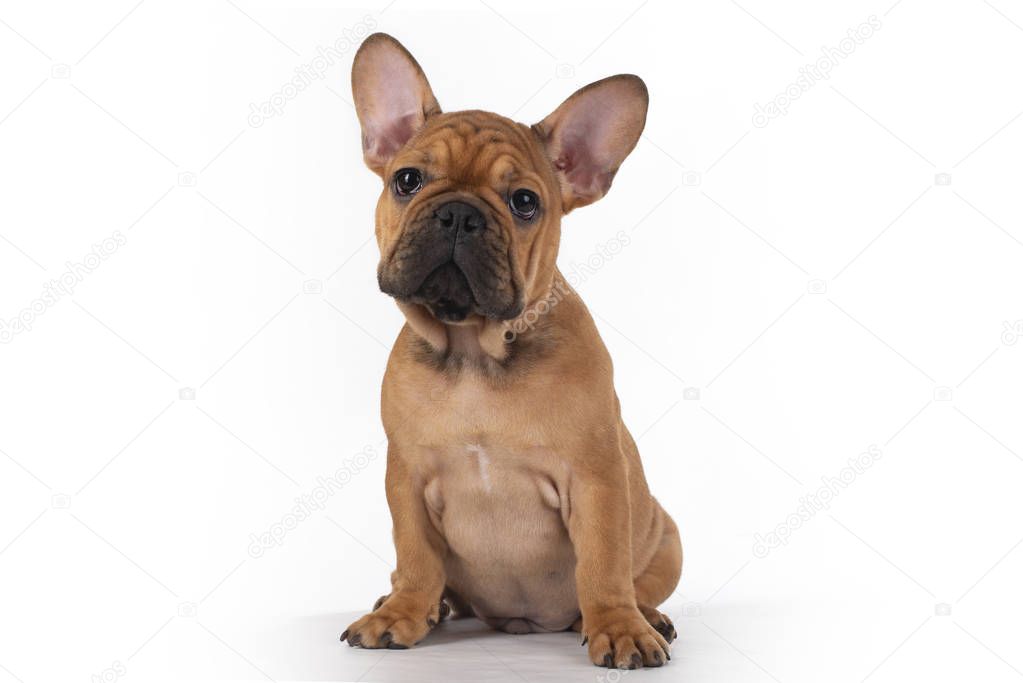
(454, 260)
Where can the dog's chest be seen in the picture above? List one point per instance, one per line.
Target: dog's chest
(476, 484)
(504, 522)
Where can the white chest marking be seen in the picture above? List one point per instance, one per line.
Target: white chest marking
(483, 462)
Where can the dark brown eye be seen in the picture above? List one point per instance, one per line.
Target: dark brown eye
(523, 204)
(407, 182)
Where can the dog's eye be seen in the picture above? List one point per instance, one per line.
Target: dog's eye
(523, 204)
(407, 182)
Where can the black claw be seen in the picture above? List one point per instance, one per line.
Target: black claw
(658, 660)
(344, 635)
(666, 629)
(586, 639)
(431, 622)
(385, 639)
(636, 661)
(355, 640)
(608, 661)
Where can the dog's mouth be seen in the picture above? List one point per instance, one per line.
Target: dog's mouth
(454, 290)
(446, 293)
(454, 261)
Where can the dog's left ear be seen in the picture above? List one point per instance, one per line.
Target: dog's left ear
(591, 133)
(392, 98)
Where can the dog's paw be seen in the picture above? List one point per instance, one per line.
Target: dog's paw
(396, 624)
(622, 638)
(661, 623)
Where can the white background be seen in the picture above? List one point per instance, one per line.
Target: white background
(815, 280)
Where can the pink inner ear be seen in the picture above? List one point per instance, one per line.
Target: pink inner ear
(592, 132)
(383, 142)
(584, 158)
(391, 97)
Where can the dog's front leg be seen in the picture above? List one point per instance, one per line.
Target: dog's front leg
(413, 606)
(599, 525)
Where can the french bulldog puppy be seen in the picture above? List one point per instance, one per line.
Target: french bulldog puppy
(516, 492)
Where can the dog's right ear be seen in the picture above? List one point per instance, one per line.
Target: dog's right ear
(392, 98)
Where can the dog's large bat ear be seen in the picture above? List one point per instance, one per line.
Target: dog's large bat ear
(392, 98)
(591, 133)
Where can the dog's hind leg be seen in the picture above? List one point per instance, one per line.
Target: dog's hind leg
(457, 606)
(451, 604)
(657, 582)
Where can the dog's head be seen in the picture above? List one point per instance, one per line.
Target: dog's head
(469, 219)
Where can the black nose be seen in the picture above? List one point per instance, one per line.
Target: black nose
(460, 216)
